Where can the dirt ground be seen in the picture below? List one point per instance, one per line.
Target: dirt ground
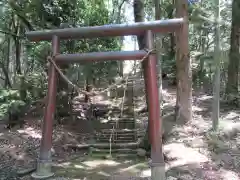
(197, 153)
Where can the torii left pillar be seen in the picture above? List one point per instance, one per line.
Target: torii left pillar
(45, 160)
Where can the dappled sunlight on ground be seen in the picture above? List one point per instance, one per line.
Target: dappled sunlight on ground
(229, 175)
(198, 109)
(101, 169)
(232, 116)
(183, 155)
(96, 163)
(31, 132)
(195, 153)
(204, 97)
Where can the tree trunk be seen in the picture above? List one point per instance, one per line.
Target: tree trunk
(18, 55)
(202, 60)
(172, 37)
(184, 72)
(120, 63)
(233, 67)
(87, 88)
(63, 104)
(139, 17)
(138, 6)
(7, 82)
(216, 88)
(7, 79)
(159, 49)
(17, 42)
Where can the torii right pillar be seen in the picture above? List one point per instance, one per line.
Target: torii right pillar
(155, 121)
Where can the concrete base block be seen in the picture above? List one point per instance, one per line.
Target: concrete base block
(158, 173)
(43, 170)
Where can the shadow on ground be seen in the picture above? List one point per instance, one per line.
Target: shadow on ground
(120, 169)
(196, 155)
(224, 152)
(100, 169)
(19, 148)
(195, 171)
(203, 106)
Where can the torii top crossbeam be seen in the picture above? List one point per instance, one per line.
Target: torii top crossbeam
(163, 26)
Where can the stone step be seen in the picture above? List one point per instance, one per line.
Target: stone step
(126, 119)
(114, 155)
(125, 110)
(126, 135)
(123, 125)
(120, 135)
(115, 137)
(122, 151)
(134, 144)
(119, 131)
(125, 131)
(132, 137)
(114, 141)
(117, 126)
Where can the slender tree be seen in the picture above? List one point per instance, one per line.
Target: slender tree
(216, 88)
(158, 40)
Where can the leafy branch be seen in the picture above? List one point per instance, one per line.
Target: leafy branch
(11, 33)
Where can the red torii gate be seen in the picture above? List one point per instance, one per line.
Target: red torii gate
(150, 77)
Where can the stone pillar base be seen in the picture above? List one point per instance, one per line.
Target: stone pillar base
(157, 171)
(43, 170)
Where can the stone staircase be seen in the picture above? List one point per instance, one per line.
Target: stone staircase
(117, 136)
(121, 133)
(122, 139)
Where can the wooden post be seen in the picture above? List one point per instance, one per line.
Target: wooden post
(155, 121)
(45, 160)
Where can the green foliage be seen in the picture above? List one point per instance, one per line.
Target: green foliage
(17, 17)
(10, 100)
(34, 84)
(5, 95)
(29, 15)
(168, 65)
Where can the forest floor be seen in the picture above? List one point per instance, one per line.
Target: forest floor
(196, 153)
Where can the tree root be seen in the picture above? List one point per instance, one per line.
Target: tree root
(26, 172)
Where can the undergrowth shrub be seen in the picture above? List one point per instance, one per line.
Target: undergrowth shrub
(10, 100)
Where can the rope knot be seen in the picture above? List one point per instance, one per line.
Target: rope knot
(150, 51)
